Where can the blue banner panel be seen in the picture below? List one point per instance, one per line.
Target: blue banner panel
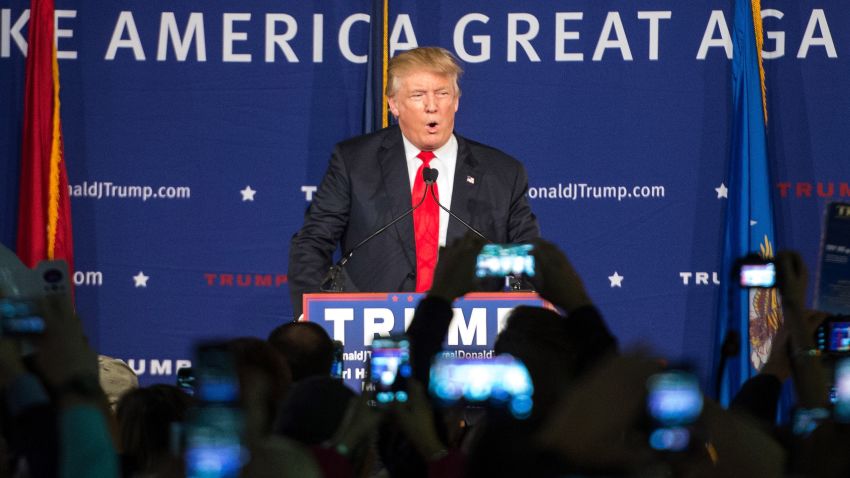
(196, 134)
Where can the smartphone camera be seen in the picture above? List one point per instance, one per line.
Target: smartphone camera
(502, 381)
(216, 380)
(755, 272)
(500, 260)
(673, 404)
(20, 318)
(213, 442)
(215, 426)
(833, 335)
(338, 361)
(389, 369)
(841, 404)
(186, 380)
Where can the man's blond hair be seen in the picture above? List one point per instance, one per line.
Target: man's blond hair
(430, 58)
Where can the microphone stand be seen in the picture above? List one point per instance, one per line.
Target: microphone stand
(331, 282)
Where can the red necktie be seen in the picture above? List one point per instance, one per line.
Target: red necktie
(426, 227)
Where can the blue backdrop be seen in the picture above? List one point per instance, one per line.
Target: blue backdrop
(195, 132)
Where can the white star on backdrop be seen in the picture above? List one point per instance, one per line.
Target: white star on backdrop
(722, 191)
(753, 222)
(248, 194)
(141, 279)
(616, 280)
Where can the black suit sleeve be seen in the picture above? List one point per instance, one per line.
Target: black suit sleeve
(522, 224)
(311, 249)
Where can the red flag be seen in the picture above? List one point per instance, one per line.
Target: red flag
(44, 210)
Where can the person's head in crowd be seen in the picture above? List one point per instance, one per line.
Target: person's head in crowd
(116, 378)
(423, 94)
(145, 418)
(313, 410)
(308, 349)
(264, 380)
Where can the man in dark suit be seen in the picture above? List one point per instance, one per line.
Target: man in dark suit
(374, 178)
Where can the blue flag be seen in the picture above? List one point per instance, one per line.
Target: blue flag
(755, 314)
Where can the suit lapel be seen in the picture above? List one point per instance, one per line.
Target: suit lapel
(397, 186)
(467, 183)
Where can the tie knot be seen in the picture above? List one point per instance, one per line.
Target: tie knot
(426, 157)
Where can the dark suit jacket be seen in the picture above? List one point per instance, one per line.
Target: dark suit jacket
(367, 185)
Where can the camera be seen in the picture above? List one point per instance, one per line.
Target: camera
(673, 405)
(833, 335)
(841, 403)
(186, 380)
(338, 363)
(500, 260)
(214, 428)
(754, 271)
(21, 288)
(20, 318)
(389, 369)
(503, 381)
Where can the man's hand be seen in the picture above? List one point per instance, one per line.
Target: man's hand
(455, 273)
(556, 279)
(792, 277)
(63, 352)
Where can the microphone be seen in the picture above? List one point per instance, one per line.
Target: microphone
(431, 174)
(331, 281)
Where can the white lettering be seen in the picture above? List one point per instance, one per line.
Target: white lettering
(817, 20)
(482, 40)
(282, 39)
(522, 39)
(63, 33)
(612, 21)
(777, 37)
(345, 37)
(308, 191)
(125, 22)
(717, 21)
(654, 18)
(339, 317)
(194, 32)
(318, 38)
(229, 37)
(402, 24)
(160, 367)
(561, 36)
(371, 326)
(476, 328)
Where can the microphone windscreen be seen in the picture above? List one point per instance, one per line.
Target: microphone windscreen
(430, 175)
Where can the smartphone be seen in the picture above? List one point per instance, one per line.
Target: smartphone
(215, 375)
(186, 380)
(500, 260)
(833, 335)
(20, 318)
(756, 272)
(53, 278)
(338, 363)
(502, 380)
(841, 410)
(213, 442)
(673, 404)
(389, 369)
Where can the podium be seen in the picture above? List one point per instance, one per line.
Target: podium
(357, 318)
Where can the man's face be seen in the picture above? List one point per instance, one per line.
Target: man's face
(425, 105)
